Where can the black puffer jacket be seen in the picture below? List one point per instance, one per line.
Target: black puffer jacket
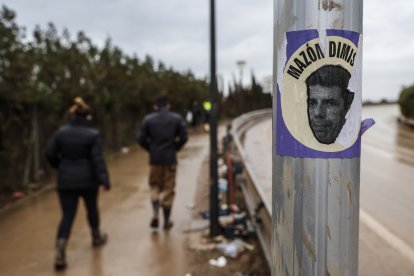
(76, 152)
(162, 133)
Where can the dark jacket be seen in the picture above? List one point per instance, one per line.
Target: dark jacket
(162, 133)
(76, 152)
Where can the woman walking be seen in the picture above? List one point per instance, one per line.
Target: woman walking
(75, 151)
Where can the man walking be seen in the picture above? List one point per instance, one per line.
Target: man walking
(162, 134)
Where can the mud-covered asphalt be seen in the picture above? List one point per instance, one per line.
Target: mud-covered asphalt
(27, 233)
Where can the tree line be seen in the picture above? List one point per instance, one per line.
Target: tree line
(40, 77)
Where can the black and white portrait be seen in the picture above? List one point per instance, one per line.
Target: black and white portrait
(328, 101)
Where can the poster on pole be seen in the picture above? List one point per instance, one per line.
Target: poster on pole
(319, 94)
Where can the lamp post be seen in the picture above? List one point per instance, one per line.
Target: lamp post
(214, 202)
(241, 64)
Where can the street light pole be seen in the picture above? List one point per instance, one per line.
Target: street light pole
(214, 202)
(315, 204)
(241, 64)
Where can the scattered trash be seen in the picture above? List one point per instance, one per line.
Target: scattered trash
(237, 167)
(232, 249)
(220, 262)
(222, 171)
(219, 239)
(190, 206)
(220, 161)
(125, 150)
(249, 227)
(34, 186)
(234, 208)
(201, 241)
(18, 195)
(249, 247)
(206, 214)
(222, 184)
(240, 217)
(233, 222)
(226, 220)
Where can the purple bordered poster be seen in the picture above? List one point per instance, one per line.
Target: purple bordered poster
(319, 94)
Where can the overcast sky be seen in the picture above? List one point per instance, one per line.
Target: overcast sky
(176, 32)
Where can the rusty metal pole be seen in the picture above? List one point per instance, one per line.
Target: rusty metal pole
(315, 210)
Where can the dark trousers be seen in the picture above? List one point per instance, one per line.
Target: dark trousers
(69, 204)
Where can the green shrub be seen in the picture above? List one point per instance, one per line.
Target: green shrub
(406, 102)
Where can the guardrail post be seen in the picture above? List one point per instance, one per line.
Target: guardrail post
(316, 136)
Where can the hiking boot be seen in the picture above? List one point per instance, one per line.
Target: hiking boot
(168, 225)
(60, 257)
(154, 223)
(98, 238)
(155, 208)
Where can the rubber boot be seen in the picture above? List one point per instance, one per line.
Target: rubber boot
(155, 208)
(60, 258)
(98, 238)
(168, 224)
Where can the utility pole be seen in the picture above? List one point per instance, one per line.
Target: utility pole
(214, 202)
(316, 160)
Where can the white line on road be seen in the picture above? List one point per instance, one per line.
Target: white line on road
(387, 235)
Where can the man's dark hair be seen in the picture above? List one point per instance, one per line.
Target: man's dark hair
(161, 101)
(332, 75)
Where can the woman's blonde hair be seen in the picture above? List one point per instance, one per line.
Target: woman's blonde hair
(80, 108)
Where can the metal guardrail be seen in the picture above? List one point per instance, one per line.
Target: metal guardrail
(259, 209)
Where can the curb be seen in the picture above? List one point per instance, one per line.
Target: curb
(16, 205)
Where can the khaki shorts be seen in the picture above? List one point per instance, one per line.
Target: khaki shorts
(162, 183)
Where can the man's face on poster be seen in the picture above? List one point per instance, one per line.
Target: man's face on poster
(326, 112)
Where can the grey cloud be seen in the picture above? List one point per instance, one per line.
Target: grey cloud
(177, 32)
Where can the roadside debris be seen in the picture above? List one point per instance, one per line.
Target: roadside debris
(18, 195)
(234, 222)
(189, 206)
(125, 150)
(235, 251)
(220, 262)
(230, 249)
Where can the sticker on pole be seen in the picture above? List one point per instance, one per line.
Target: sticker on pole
(319, 94)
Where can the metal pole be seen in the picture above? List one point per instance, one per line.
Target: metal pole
(36, 147)
(214, 203)
(315, 184)
(241, 64)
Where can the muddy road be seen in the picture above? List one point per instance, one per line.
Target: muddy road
(27, 233)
